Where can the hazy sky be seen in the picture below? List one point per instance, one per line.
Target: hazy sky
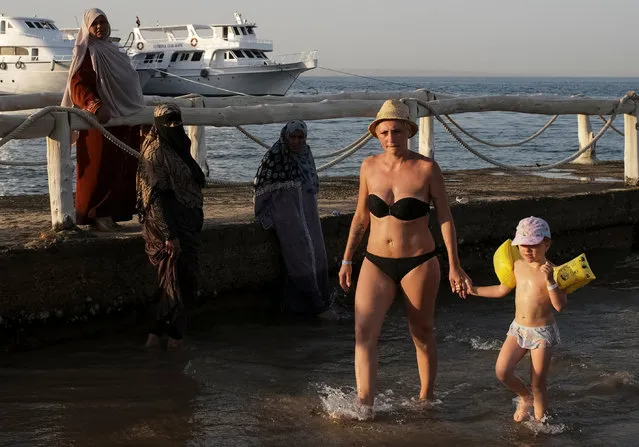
(443, 37)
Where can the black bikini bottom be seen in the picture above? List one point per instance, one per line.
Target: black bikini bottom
(397, 268)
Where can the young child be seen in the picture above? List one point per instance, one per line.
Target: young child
(534, 328)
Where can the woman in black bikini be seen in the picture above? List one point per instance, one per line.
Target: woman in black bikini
(395, 192)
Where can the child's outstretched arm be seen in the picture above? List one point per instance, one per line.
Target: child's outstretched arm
(558, 297)
(499, 291)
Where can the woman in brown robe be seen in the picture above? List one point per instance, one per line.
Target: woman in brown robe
(169, 185)
(102, 81)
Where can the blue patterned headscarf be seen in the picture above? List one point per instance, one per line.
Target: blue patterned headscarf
(282, 167)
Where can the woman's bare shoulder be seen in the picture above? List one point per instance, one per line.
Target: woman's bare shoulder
(426, 164)
(370, 162)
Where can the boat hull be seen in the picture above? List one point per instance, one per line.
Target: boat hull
(33, 77)
(255, 83)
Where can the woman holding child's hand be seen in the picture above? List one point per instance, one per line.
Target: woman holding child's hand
(397, 188)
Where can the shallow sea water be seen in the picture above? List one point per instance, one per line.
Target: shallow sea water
(259, 381)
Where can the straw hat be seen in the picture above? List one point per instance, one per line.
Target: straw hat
(393, 109)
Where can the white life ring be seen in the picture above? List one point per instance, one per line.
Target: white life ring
(3, 65)
(140, 46)
(194, 42)
(19, 65)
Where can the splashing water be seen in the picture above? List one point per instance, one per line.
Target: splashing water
(477, 343)
(545, 427)
(342, 403)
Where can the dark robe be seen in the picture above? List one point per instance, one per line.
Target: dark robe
(105, 175)
(170, 207)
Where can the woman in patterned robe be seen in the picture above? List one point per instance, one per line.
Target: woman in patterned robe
(169, 190)
(286, 187)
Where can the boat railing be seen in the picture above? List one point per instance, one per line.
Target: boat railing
(293, 58)
(149, 64)
(425, 108)
(63, 58)
(249, 40)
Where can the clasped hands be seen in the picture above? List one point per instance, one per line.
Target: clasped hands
(460, 282)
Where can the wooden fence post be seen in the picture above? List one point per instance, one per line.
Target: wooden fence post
(413, 143)
(585, 135)
(198, 139)
(631, 150)
(426, 137)
(60, 173)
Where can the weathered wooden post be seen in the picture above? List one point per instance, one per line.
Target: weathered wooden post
(60, 173)
(198, 139)
(426, 136)
(585, 135)
(631, 150)
(413, 143)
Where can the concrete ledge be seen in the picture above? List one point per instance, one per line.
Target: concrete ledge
(88, 285)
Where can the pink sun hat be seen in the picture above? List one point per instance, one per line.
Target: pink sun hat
(531, 231)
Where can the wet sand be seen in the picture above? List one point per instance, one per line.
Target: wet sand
(25, 220)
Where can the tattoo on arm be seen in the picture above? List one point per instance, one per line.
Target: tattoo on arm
(357, 235)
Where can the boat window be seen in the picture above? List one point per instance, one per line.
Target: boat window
(38, 25)
(243, 31)
(250, 30)
(225, 33)
(249, 53)
(9, 25)
(236, 31)
(160, 57)
(180, 34)
(53, 26)
(3, 27)
(238, 53)
(184, 56)
(197, 56)
(34, 54)
(228, 55)
(30, 24)
(174, 56)
(14, 51)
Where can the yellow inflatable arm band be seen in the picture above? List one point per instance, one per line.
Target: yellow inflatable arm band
(569, 276)
(573, 274)
(503, 260)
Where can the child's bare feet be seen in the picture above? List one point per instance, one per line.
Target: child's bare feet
(152, 340)
(523, 408)
(174, 343)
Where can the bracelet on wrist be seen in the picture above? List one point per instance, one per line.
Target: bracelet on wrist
(552, 287)
(345, 262)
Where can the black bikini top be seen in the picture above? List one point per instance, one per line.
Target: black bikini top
(408, 208)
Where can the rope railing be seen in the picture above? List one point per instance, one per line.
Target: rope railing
(537, 168)
(612, 127)
(342, 153)
(502, 145)
(366, 137)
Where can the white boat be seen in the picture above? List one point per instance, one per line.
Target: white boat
(34, 55)
(213, 60)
